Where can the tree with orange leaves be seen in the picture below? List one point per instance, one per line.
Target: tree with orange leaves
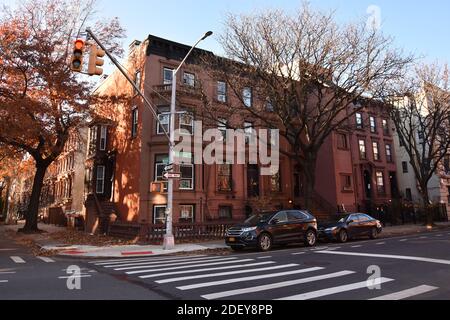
(41, 99)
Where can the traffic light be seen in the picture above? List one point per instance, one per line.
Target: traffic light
(77, 57)
(96, 61)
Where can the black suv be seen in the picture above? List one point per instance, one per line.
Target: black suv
(275, 228)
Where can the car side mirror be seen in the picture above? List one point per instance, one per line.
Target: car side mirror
(275, 221)
(350, 222)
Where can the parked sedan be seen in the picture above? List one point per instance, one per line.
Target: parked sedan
(351, 226)
(263, 231)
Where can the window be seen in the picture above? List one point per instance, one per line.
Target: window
(373, 125)
(385, 124)
(161, 161)
(225, 212)
(187, 214)
(134, 122)
(247, 97)
(281, 217)
(221, 91)
(297, 215)
(376, 151)
(363, 218)
(362, 149)
(187, 122)
(137, 80)
(163, 123)
(248, 130)
(405, 167)
(380, 182)
(389, 153)
(187, 177)
(189, 79)
(159, 214)
(408, 194)
(167, 76)
(269, 105)
(342, 141)
(103, 135)
(224, 177)
(275, 182)
(346, 182)
(222, 126)
(93, 131)
(359, 121)
(100, 187)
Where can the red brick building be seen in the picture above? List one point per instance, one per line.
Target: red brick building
(135, 152)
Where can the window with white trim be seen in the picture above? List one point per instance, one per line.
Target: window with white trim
(167, 75)
(221, 91)
(189, 79)
(161, 162)
(186, 122)
(187, 214)
(247, 96)
(159, 214)
(164, 123)
(103, 137)
(134, 122)
(248, 130)
(100, 186)
(187, 177)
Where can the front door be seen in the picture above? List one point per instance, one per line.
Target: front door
(280, 228)
(253, 181)
(368, 184)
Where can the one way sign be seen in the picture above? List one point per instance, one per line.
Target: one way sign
(171, 175)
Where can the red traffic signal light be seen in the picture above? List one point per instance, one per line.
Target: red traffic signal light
(77, 56)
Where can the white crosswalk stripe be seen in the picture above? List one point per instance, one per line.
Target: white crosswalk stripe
(3, 281)
(46, 259)
(236, 280)
(239, 266)
(100, 262)
(171, 262)
(137, 260)
(17, 259)
(334, 290)
(227, 273)
(189, 266)
(221, 274)
(151, 265)
(409, 293)
(276, 285)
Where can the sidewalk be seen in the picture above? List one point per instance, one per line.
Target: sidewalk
(47, 244)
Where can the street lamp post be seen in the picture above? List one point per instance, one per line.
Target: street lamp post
(169, 239)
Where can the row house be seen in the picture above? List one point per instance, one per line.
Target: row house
(360, 162)
(130, 152)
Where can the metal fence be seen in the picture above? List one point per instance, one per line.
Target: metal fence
(154, 233)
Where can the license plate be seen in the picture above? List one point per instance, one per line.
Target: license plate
(232, 239)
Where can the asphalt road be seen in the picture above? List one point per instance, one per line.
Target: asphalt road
(410, 267)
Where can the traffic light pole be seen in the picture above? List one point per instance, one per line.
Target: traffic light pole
(125, 74)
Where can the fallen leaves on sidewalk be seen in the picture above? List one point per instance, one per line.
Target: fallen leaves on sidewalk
(73, 237)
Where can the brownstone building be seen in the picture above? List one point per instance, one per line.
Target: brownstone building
(130, 152)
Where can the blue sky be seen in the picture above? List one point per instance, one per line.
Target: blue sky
(419, 26)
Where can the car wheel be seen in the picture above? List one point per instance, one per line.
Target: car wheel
(374, 233)
(264, 242)
(237, 248)
(343, 236)
(310, 238)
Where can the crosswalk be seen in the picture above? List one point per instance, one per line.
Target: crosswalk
(235, 277)
(21, 260)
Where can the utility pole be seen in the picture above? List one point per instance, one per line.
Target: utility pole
(169, 239)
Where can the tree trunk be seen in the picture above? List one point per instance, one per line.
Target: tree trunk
(426, 207)
(309, 167)
(31, 224)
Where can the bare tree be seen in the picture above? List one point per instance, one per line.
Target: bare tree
(305, 71)
(41, 100)
(421, 114)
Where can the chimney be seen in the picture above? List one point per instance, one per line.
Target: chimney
(134, 45)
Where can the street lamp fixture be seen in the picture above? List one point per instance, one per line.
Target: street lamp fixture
(169, 239)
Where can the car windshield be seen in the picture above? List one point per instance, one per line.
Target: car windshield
(343, 219)
(258, 218)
